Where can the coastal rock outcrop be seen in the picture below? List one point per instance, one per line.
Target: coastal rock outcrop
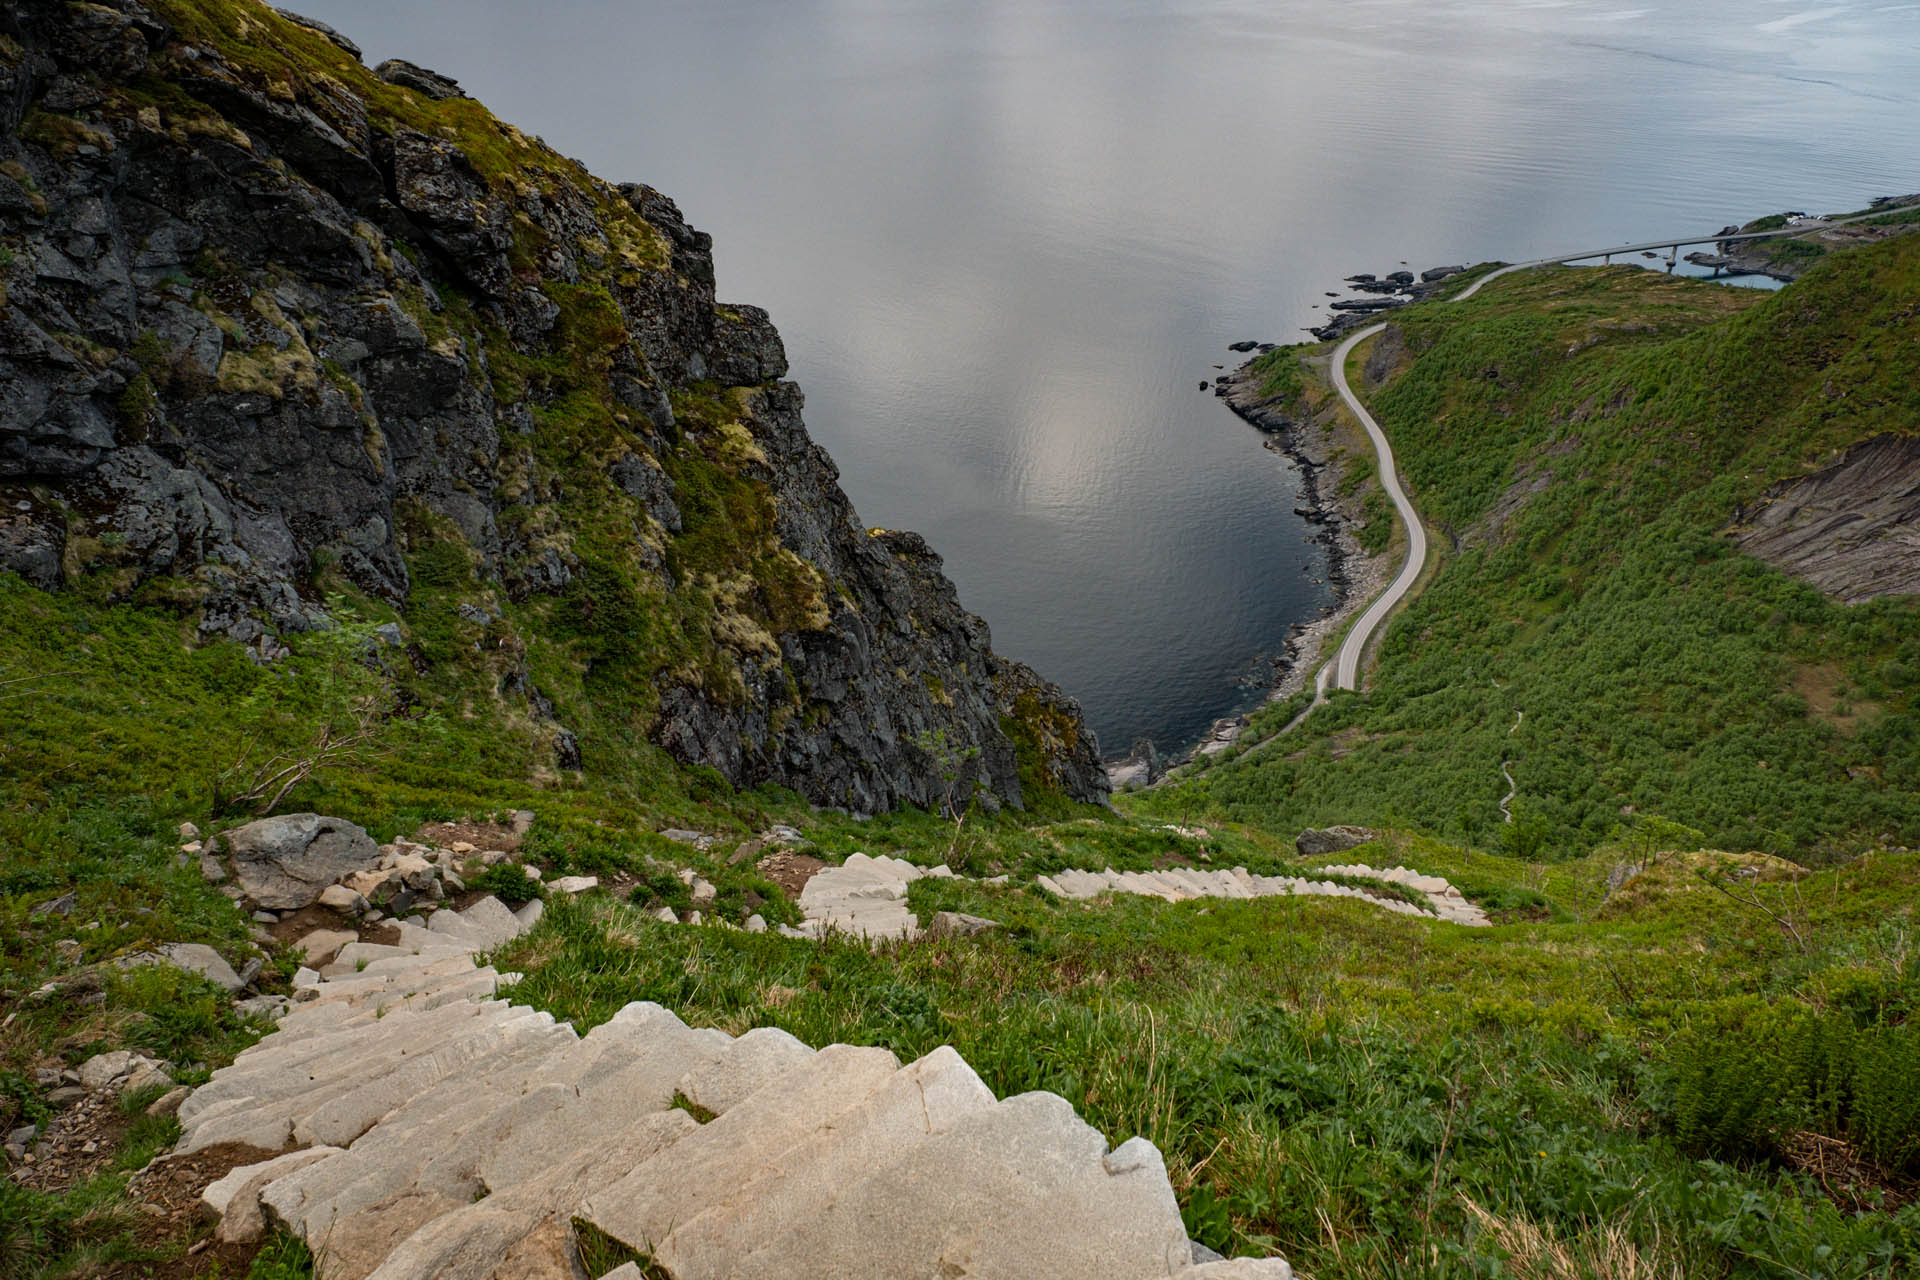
(276, 325)
(1788, 257)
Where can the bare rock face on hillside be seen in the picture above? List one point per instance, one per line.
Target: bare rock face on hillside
(1852, 529)
(271, 320)
(1316, 842)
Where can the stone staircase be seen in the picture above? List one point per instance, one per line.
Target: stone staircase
(867, 896)
(427, 1127)
(1448, 902)
(1183, 883)
(863, 896)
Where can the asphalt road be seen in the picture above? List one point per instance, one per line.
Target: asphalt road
(1343, 672)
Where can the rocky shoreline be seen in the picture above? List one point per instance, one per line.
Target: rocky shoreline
(1763, 257)
(1355, 576)
(1385, 293)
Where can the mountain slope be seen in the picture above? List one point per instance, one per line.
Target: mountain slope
(285, 341)
(1590, 447)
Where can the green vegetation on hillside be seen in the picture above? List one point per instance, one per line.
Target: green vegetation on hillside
(1377, 1096)
(1601, 633)
(1660, 1061)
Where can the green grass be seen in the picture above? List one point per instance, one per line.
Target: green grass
(1279, 374)
(85, 1228)
(1634, 1069)
(1659, 670)
(283, 1257)
(1338, 1083)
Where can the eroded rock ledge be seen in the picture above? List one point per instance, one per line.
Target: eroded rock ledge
(274, 325)
(1851, 529)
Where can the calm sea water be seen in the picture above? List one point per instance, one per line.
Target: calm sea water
(1006, 239)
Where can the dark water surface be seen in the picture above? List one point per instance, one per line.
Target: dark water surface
(1006, 239)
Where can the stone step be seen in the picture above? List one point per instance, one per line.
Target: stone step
(419, 938)
(388, 991)
(426, 975)
(1074, 883)
(453, 925)
(706, 1165)
(359, 957)
(1183, 884)
(868, 924)
(525, 1232)
(418, 1164)
(313, 1020)
(342, 1118)
(317, 1030)
(851, 915)
(494, 921)
(269, 1085)
(630, 1082)
(456, 1135)
(928, 1097)
(1023, 1188)
(741, 1069)
(815, 893)
(271, 1070)
(646, 1050)
(273, 1122)
(882, 864)
(235, 1198)
(397, 1190)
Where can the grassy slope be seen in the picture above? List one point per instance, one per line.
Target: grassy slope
(1344, 1085)
(1658, 670)
(1350, 1087)
(1336, 1082)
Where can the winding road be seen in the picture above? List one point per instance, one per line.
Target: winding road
(1343, 670)
(1506, 771)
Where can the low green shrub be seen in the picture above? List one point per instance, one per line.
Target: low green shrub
(508, 882)
(1747, 1080)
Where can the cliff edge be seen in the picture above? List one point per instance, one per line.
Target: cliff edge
(283, 336)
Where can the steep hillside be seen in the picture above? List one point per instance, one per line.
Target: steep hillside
(361, 455)
(286, 343)
(1591, 448)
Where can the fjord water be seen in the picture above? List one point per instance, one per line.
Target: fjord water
(1006, 239)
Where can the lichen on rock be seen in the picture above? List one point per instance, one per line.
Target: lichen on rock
(276, 325)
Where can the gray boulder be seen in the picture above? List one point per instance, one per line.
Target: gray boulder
(122, 1071)
(1317, 842)
(956, 924)
(285, 863)
(194, 957)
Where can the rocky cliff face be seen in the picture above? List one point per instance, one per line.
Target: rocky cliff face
(1852, 529)
(278, 328)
